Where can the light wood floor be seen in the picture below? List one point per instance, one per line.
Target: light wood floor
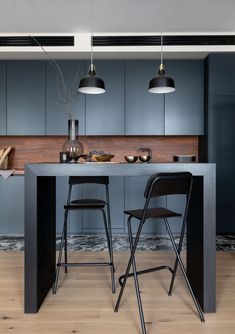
(84, 302)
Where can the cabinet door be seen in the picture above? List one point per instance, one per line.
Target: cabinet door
(176, 203)
(93, 220)
(2, 97)
(56, 108)
(75, 216)
(105, 112)
(221, 139)
(144, 111)
(12, 205)
(184, 108)
(26, 97)
(221, 74)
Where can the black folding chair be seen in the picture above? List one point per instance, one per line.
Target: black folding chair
(159, 185)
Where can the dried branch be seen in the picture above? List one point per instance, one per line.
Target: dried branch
(67, 94)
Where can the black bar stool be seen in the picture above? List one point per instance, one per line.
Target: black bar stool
(159, 185)
(86, 204)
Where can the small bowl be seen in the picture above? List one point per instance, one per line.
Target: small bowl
(103, 157)
(131, 158)
(144, 158)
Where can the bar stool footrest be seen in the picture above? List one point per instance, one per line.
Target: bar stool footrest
(88, 264)
(146, 271)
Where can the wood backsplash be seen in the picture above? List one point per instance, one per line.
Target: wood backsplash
(34, 149)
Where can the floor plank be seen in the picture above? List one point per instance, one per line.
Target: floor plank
(84, 302)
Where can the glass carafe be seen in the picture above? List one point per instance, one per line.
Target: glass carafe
(73, 147)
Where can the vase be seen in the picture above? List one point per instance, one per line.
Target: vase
(73, 148)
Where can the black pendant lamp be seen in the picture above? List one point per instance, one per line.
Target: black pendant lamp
(161, 84)
(91, 84)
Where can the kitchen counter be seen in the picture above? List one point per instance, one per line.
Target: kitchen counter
(40, 203)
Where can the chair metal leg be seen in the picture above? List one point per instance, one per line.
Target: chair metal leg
(137, 289)
(110, 231)
(107, 231)
(176, 260)
(66, 244)
(60, 253)
(111, 247)
(198, 307)
(129, 265)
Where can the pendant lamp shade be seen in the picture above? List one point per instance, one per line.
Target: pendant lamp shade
(161, 84)
(91, 84)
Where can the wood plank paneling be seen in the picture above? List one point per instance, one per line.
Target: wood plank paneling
(36, 149)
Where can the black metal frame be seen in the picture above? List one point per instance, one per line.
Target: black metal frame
(63, 243)
(134, 243)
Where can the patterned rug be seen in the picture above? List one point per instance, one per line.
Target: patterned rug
(120, 242)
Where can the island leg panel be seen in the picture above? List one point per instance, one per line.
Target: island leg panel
(201, 243)
(40, 245)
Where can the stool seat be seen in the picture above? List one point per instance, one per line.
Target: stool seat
(86, 204)
(153, 213)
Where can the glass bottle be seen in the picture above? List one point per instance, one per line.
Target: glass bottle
(73, 147)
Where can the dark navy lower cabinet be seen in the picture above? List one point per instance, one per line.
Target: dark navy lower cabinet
(134, 199)
(26, 97)
(93, 220)
(2, 97)
(12, 205)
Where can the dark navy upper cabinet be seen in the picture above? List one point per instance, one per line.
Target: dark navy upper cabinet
(221, 74)
(105, 112)
(26, 97)
(144, 111)
(2, 97)
(57, 110)
(184, 108)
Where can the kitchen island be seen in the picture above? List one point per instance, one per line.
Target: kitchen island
(40, 222)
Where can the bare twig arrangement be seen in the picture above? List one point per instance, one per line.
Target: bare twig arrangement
(67, 93)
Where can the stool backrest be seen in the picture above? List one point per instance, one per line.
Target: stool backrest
(88, 179)
(163, 184)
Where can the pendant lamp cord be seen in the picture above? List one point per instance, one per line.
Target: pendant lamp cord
(161, 48)
(91, 18)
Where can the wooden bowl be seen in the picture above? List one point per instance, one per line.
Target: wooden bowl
(104, 157)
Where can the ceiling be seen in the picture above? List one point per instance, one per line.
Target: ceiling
(116, 17)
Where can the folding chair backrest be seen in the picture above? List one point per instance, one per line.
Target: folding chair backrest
(163, 184)
(88, 179)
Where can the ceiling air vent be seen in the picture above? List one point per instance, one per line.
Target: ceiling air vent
(42, 40)
(167, 40)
